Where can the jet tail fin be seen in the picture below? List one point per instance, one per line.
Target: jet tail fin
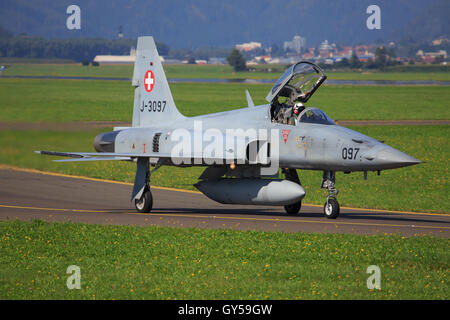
(153, 102)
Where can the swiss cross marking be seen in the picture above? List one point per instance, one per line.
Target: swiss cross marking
(149, 81)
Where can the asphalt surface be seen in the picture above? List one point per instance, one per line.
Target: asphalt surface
(26, 195)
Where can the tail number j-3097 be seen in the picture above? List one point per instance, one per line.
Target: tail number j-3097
(349, 153)
(154, 106)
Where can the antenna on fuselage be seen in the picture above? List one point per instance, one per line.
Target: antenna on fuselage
(249, 99)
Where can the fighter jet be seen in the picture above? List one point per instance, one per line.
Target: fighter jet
(251, 154)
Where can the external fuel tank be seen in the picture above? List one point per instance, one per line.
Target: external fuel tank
(268, 192)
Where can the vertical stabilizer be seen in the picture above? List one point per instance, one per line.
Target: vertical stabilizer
(153, 102)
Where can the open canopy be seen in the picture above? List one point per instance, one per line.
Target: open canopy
(298, 82)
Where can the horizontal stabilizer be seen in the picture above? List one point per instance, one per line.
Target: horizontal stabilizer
(94, 159)
(60, 154)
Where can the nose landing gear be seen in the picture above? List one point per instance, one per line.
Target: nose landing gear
(331, 207)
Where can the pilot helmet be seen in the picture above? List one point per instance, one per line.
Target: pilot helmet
(298, 107)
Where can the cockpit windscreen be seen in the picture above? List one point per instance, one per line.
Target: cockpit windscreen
(314, 115)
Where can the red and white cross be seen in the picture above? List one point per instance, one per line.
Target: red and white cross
(149, 81)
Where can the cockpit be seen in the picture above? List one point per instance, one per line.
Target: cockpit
(291, 90)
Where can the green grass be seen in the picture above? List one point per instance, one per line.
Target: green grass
(74, 100)
(69, 100)
(219, 72)
(418, 188)
(212, 71)
(129, 262)
(383, 102)
(72, 70)
(12, 61)
(389, 76)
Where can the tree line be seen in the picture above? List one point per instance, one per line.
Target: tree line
(81, 49)
(86, 49)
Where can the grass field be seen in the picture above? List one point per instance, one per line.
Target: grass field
(422, 187)
(127, 262)
(76, 100)
(211, 71)
(389, 76)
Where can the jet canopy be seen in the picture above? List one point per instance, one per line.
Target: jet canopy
(298, 83)
(315, 115)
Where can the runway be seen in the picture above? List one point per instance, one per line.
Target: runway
(28, 194)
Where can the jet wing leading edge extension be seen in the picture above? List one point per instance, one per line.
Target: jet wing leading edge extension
(243, 150)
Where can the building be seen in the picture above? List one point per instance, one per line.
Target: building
(366, 57)
(440, 41)
(262, 59)
(297, 44)
(109, 59)
(217, 60)
(430, 57)
(309, 54)
(326, 50)
(249, 46)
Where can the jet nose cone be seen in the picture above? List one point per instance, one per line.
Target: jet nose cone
(392, 158)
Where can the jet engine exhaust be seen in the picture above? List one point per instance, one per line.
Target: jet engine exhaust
(104, 142)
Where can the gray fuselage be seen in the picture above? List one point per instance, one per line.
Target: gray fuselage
(312, 146)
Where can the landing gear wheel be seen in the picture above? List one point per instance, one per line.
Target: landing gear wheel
(331, 208)
(145, 203)
(293, 209)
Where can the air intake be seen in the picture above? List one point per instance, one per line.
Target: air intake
(156, 142)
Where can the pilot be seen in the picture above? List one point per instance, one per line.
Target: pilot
(296, 110)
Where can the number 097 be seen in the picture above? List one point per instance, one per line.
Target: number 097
(349, 153)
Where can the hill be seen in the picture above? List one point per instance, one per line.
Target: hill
(191, 24)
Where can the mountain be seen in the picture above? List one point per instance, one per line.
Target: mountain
(191, 24)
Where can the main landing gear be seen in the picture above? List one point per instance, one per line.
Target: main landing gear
(331, 207)
(145, 203)
(142, 195)
(291, 175)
